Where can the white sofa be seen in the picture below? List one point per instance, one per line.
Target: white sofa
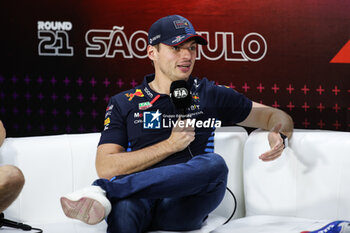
(303, 190)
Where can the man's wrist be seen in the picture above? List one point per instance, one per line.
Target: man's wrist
(285, 139)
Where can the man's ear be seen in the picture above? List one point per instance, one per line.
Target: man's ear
(151, 52)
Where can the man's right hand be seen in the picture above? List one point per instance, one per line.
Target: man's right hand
(181, 135)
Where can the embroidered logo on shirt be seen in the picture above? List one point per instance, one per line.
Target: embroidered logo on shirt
(145, 105)
(148, 92)
(109, 108)
(107, 121)
(138, 93)
(195, 97)
(109, 111)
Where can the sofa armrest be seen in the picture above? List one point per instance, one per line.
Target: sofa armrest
(52, 166)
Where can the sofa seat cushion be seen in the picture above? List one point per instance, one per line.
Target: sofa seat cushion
(211, 223)
(75, 226)
(271, 224)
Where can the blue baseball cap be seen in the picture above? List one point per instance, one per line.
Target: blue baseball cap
(173, 30)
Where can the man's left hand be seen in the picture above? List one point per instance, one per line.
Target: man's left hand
(276, 144)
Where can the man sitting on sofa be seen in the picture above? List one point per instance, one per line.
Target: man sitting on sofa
(11, 179)
(167, 178)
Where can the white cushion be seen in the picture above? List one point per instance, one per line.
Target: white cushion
(212, 222)
(310, 180)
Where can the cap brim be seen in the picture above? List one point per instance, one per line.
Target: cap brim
(174, 41)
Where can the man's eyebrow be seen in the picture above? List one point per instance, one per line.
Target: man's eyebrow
(193, 42)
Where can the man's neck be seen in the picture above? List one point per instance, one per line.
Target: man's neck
(161, 83)
(160, 86)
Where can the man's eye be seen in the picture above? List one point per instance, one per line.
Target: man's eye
(176, 48)
(193, 48)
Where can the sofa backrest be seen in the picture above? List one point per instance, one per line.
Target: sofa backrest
(310, 180)
(57, 165)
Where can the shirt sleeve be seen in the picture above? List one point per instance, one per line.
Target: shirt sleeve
(231, 106)
(114, 125)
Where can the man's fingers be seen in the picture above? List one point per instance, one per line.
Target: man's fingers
(278, 145)
(187, 126)
(269, 157)
(272, 154)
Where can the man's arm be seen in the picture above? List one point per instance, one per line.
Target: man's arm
(2, 133)
(112, 160)
(274, 120)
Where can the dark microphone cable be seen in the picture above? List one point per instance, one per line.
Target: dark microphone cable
(17, 225)
(234, 210)
(189, 150)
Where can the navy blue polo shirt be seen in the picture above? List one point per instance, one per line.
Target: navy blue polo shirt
(141, 117)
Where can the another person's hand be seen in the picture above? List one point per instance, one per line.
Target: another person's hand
(181, 137)
(276, 145)
(2, 133)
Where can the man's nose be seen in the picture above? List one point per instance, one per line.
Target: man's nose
(186, 53)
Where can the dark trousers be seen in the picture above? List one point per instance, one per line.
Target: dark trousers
(175, 198)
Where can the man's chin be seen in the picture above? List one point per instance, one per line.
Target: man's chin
(183, 76)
